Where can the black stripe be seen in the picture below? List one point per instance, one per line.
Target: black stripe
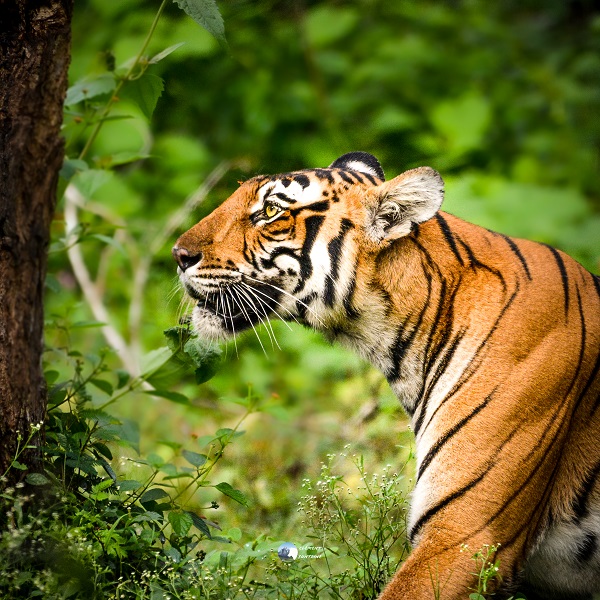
(449, 236)
(513, 246)
(563, 274)
(445, 360)
(427, 515)
(587, 548)
(312, 225)
(473, 365)
(301, 305)
(371, 178)
(335, 251)
(346, 177)
(358, 176)
(324, 174)
(403, 343)
(302, 179)
(321, 206)
(433, 451)
(580, 502)
(476, 264)
(351, 312)
(269, 263)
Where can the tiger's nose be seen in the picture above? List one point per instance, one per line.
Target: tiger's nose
(184, 259)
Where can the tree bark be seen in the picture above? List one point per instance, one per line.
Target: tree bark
(34, 59)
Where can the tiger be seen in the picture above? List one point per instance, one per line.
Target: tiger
(491, 343)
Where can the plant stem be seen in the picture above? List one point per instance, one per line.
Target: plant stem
(127, 77)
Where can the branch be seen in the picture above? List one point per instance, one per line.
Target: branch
(88, 286)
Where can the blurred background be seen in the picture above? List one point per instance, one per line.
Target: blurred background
(502, 98)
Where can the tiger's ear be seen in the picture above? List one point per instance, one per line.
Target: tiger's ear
(363, 162)
(396, 205)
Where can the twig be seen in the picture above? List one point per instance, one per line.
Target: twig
(88, 286)
(142, 269)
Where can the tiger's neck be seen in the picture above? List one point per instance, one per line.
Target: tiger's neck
(404, 314)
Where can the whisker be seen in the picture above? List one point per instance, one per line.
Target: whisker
(232, 325)
(308, 308)
(266, 322)
(254, 292)
(242, 308)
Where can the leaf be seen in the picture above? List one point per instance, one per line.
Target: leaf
(90, 88)
(206, 14)
(145, 92)
(103, 449)
(124, 158)
(154, 360)
(89, 181)
(122, 378)
(158, 57)
(200, 524)
(17, 465)
(86, 324)
(234, 494)
(105, 386)
(235, 534)
(181, 522)
(194, 458)
(153, 494)
(72, 166)
(172, 396)
(110, 241)
(36, 479)
(51, 376)
(103, 485)
(129, 485)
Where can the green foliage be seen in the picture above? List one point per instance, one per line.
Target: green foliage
(160, 122)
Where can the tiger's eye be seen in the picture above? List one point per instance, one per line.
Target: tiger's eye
(271, 210)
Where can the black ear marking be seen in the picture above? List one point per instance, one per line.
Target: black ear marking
(363, 162)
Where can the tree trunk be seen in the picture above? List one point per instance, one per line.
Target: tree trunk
(34, 58)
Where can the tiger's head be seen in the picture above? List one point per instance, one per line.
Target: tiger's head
(298, 246)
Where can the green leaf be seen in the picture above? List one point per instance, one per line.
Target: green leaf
(17, 465)
(144, 92)
(153, 494)
(158, 57)
(109, 241)
(129, 485)
(181, 522)
(90, 88)
(206, 14)
(194, 458)
(103, 449)
(36, 479)
(234, 494)
(89, 181)
(51, 376)
(72, 166)
(154, 360)
(172, 396)
(122, 378)
(106, 387)
(124, 158)
(103, 485)
(200, 524)
(235, 534)
(86, 324)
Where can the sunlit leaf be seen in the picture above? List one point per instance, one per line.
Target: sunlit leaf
(234, 494)
(206, 14)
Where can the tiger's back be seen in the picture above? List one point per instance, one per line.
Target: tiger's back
(491, 343)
